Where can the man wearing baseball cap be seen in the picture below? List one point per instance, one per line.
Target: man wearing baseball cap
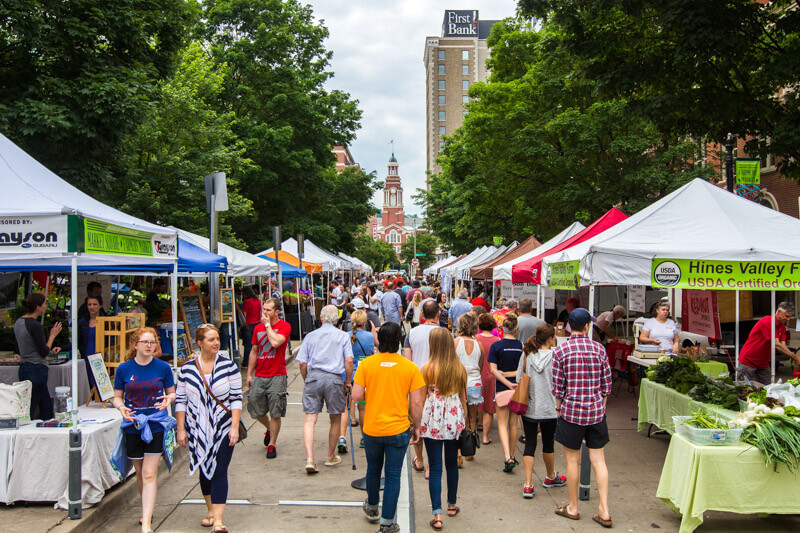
(581, 385)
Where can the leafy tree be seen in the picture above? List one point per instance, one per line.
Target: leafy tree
(376, 253)
(540, 149)
(184, 139)
(426, 244)
(77, 77)
(285, 117)
(693, 68)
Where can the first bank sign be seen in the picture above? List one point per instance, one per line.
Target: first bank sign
(460, 23)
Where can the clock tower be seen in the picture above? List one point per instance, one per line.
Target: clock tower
(393, 213)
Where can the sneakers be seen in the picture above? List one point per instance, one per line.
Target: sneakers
(528, 492)
(555, 481)
(272, 452)
(342, 446)
(311, 467)
(362, 443)
(266, 438)
(373, 515)
(391, 528)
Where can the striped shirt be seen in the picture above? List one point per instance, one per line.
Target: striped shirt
(581, 379)
(207, 424)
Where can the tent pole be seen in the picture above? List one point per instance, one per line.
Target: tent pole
(173, 294)
(235, 328)
(46, 288)
(73, 311)
(736, 347)
(591, 309)
(74, 504)
(772, 335)
(299, 312)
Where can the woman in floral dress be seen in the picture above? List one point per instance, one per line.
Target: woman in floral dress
(443, 419)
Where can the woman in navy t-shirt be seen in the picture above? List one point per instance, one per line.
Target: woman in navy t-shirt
(143, 385)
(503, 361)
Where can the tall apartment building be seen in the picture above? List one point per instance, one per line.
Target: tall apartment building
(453, 62)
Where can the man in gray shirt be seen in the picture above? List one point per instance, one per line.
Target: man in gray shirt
(527, 323)
(392, 305)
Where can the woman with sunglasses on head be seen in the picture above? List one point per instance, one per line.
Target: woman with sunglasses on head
(143, 389)
(208, 409)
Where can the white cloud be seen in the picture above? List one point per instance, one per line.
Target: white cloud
(377, 58)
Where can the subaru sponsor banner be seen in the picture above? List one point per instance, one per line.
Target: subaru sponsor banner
(725, 275)
(33, 234)
(105, 238)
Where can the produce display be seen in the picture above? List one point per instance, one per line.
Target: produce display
(703, 420)
(683, 375)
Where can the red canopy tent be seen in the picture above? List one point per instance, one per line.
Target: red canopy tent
(530, 271)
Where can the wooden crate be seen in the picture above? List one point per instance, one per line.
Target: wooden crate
(113, 337)
(726, 303)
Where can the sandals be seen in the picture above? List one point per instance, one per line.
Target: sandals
(220, 529)
(602, 521)
(453, 510)
(434, 522)
(418, 468)
(562, 511)
(207, 521)
(509, 465)
(486, 442)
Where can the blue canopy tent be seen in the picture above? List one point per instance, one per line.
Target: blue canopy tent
(192, 258)
(287, 270)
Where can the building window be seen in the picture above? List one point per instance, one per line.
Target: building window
(464, 114)
(442, 115)
(393, 198)
(441, 130)
(465, 70)
(464, 98)
(441, 85)
(441, 145)
(464, 85)
(465, 55)
(767, 163)
(441, 54)
(441, 99)
(397, 249)
(441, 70)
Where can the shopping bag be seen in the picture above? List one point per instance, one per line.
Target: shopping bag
(519, 400)
(15, 401)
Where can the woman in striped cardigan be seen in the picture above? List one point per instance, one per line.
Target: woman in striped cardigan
(209, 430)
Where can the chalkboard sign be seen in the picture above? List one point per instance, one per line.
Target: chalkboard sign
(191, 307)
(184, 347)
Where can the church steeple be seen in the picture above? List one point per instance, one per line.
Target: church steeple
(393, 195)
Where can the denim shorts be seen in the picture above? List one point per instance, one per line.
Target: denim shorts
(475, 394)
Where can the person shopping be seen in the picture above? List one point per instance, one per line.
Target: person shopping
(33, 350)
(488, 408)
(143, 389)
(541, 415)
(443, 420)
(363, 346)
(208, 408)
(251, 307)
(470, 353)
(415, 309)
(504, 356)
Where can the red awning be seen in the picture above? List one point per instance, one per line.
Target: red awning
(530, 271)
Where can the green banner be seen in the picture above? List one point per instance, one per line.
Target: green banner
(725, 275)
(748, 171)
(564, 275)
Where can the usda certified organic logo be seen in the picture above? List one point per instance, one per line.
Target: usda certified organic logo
(667, 274)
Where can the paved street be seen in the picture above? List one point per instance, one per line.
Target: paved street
(278, 496)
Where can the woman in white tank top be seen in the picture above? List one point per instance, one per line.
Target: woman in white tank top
(470, 353)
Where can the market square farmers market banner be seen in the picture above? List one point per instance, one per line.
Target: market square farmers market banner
(104, 238)
(725, 275)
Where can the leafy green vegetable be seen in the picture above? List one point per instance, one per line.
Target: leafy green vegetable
(778, 438)
(703, 420)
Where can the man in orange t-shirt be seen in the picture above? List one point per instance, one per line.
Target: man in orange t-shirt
(389, 383)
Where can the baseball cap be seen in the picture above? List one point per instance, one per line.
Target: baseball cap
(358, 303)
(579, 318)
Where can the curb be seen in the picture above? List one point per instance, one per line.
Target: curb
(118, 496)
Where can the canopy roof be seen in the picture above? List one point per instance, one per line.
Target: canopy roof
(192, 258)
(287, 270)
(239, 263)
(503, 270)
(451, 268)
(289, 259)
(697, 221)
(313, 253)
(490, 253)
(357, 263)
(434, 268)
(484, 270)
(530, 270)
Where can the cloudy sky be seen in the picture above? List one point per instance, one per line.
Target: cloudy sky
(377, 58)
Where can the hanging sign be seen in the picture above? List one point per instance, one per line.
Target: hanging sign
(518, 290)
(549, 298)
(105, 238)
(700, 313)
(636, 298)
(748, 171)
(564, 275)
(725, 275)
(33, 234)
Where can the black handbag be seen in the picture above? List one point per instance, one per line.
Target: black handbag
(468, 441)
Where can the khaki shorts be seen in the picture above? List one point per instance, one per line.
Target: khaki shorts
(267, 395)
(323, 387)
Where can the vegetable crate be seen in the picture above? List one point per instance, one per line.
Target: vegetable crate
(706, 437)
(114, 337)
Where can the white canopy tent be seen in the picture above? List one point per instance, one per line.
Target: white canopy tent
(357, 263)
(434, 268)
(462, 272)
(313, 254)
(503, 271)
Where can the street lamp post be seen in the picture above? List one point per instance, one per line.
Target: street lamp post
(729, 163)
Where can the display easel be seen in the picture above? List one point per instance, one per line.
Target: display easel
(192, 311)
(94, 396)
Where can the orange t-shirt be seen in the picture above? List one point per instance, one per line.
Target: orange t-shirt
(388, 379)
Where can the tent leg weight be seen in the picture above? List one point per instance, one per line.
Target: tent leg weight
(586, 473)
(74, 502)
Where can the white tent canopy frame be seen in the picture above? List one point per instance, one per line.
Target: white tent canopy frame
(503, 271)
(462, 272)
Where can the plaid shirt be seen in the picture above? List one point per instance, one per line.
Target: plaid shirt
(581, 379)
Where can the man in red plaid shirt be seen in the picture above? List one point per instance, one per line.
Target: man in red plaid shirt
(581, 384)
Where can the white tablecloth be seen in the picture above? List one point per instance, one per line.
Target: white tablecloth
(59, 375)
(39, 462)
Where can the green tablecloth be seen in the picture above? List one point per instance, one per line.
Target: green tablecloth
(713, 369)
(723, 478)
(658, 404)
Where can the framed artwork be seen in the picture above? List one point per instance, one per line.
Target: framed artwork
(105, 387)
(226, 305)
(194, 314)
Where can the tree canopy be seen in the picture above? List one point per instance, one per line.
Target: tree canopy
(426, 244)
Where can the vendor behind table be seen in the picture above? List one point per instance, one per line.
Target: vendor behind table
(661, 330)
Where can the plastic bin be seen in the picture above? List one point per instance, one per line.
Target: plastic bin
(706, 437)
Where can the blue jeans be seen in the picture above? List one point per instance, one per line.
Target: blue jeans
(40, 394)
(434, 449)
(387, 454)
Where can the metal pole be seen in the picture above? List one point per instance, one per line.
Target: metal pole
(173, 294)
(74, 506)
(736, 348)
(276, 246)
(46, 288)
(729, 163)
(772, 336)
(213, 278)
(591, 309)
(235, 355)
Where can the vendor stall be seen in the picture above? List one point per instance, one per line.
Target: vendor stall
(659, 403)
